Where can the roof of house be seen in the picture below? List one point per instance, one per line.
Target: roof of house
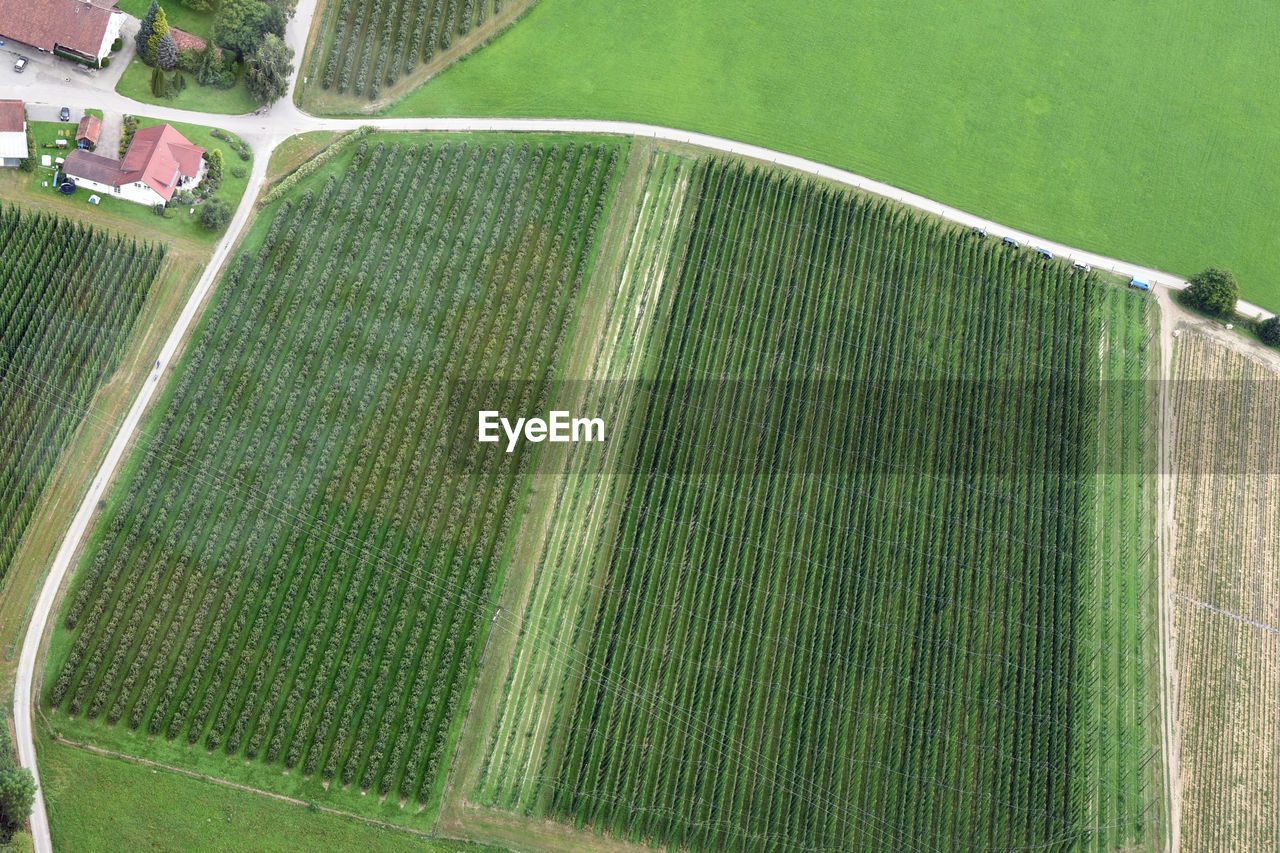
(94, 167)
(185, 40)
(12, 117)
(90, 127)
(157, 157)
(80, 25)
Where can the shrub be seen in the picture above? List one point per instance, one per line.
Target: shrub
(126, 135)
(106, 61)
(215, 214)
(115, 46)
(238, 171)
(1269, 331)
(1214, 291)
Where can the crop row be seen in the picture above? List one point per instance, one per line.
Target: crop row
(842, 601)
(376, 41)
(299, 565)
(69, 298)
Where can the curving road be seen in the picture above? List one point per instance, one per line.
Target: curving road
(263, 133)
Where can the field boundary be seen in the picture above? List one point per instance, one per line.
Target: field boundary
(227, 783)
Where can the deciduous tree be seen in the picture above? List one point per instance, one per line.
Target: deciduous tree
(268, 68)
(242, 25)
(1214, 291)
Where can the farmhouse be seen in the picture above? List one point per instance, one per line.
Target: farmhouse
(159, 160)
(77, 29)
(87, 132)
(13, 133)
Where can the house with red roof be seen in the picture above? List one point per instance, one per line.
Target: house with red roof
(78, 29)
(157, 164)
(13, 133)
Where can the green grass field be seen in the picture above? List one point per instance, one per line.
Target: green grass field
(859, 584)
(104, 803)
(135, 83)
(194, 22)
(1134, 130)
(296, 572)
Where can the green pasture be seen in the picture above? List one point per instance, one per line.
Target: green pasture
(1142, 131)
(99, 802)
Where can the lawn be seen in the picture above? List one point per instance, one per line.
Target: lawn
(177, 226)
(1139, 131)
(135, 83)
(196, 23)
(104, 803)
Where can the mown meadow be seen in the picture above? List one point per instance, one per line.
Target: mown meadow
(1135, 131)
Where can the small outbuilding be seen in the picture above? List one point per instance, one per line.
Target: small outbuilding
(88, 131)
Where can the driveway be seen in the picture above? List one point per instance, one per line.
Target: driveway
(109, 137)
(45, 69)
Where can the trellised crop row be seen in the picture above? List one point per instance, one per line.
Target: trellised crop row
(298, 569)
(377, 41)
(69, 298)
(842, 603)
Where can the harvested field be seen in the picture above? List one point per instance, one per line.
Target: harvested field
(1225, 595)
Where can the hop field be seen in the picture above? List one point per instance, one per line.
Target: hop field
(855, 588)
(307, 542)
(69, 299)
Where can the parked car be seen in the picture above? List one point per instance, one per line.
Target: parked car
(1044, 253)
(65, 114)
(1009, 241)
(21, 64)
(1082, 266)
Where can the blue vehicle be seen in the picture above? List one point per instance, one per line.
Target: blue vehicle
(1044, 253)
(1141, 284)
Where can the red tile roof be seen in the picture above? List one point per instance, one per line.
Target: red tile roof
(79, 25)
(185, 40)
(157, 156)
(90, 127)
(94, 167)
(12, 117)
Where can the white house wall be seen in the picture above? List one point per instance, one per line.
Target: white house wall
(114, 25)
(137, 193)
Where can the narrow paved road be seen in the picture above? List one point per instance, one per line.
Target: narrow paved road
(263, 133)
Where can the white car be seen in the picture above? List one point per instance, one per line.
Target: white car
(20, 65)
